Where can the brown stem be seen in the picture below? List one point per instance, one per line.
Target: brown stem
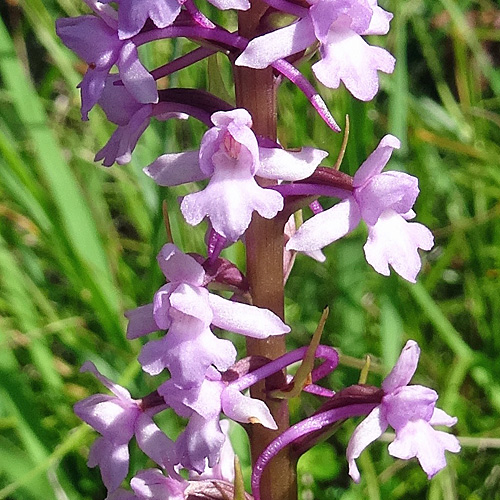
(256, 92)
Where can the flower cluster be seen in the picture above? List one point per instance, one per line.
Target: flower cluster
(246, 176)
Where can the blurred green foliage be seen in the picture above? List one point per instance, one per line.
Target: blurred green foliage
(78, 244)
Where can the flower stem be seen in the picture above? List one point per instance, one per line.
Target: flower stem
(256, 92)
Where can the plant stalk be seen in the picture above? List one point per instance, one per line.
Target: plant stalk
(256, 92)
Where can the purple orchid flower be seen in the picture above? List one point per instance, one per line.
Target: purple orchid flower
(338, 26)
(384, 201)
(186, 308)
(410, 411)
(230, 156)
(132, 119)
(201, 442)
(224, 469)
(96, 41)
(118, 418)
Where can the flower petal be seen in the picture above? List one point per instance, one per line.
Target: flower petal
(440, 417)
(108, 416)
(379, 23)
(389, 190)
(393, 240)
(326, 227)
(154, 443)
(264, 50)
(116, 389)
(231, 4)
(285, 165)
(175, 169)
(136, 78)
(201, 440)
(229, 201)
(140, 321)
(124, 139)
(191, 301)
(245, 319)
(245, 409)
(376, 162)
(404, 369)
(419, 439)
(113, 460)
(180, 267)
(151, 484)
(132, 15)
(348, 58)
(372, 427)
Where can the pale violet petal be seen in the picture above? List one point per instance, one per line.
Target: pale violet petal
(285, 165)
(264, 50)
(192, 301)
(379, 23)
(348, 58)
(388, 190)
(108, 416)
(376, 162)
(440, 417)
(140, 321)
(136, 78)
(326, 227)
(132, 15)
(179, 267)
(404, 368)
(419, 439)
(151, 484)
(393, 240)
(245, 319)
(231, 4)
(121, 494)
(154, 443)
(223, 118)
(113, 460)
(245, 409)
(224, 470)
(229, 201)
(116, 389)
(175, 169)
(200, 442)
(370, 429)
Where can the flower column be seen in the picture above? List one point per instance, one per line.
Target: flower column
(256, 92)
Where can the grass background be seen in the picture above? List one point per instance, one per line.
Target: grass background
(78, 245)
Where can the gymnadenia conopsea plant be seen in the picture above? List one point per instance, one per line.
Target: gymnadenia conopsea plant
(253, 187)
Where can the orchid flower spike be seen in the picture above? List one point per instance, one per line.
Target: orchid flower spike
(118, 418)
(410, 411)
(230, 157)
(384, 200)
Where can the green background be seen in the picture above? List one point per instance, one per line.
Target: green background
(78, 246)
